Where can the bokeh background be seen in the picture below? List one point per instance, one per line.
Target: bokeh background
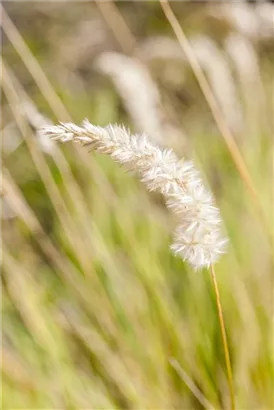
(97, 313)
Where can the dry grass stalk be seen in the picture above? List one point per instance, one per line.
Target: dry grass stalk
(214, 107)
(32, 65)
(214, 64)
(117, 24)
(194, 389)
(235, 153)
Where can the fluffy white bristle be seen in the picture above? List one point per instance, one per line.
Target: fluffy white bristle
(197, 238)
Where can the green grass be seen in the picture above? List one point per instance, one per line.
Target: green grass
(96, 310)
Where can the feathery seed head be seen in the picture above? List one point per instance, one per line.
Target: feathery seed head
(197, 238)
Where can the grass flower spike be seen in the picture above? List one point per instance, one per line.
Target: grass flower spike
(197, 238)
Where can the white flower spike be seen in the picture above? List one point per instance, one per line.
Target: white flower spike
(197, 238)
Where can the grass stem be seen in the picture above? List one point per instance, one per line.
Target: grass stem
(224, 338)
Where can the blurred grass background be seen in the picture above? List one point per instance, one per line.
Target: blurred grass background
(96, 311)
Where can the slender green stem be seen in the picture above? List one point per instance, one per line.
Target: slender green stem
(224, 338)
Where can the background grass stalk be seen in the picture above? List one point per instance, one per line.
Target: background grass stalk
(215, 109)
(224, 338)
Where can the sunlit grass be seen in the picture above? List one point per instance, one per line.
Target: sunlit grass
(96, 309)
